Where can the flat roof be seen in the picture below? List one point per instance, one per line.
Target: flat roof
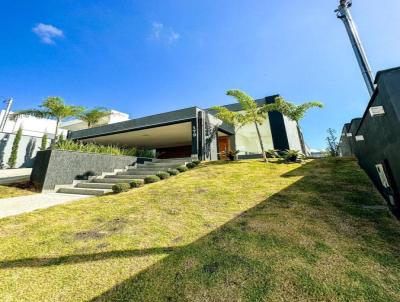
(161, 119)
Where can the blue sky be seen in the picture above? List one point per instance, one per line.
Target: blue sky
(146, 57)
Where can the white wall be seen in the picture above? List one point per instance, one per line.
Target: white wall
(77, 124)
(28, 146)
(292, 134)
(31, 126)
(247, 139)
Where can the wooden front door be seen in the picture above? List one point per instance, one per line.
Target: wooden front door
(223, 146)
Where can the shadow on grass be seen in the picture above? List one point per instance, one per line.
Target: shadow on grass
(79, 258)
(241, 259)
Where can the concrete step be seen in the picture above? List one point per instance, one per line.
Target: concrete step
(161, 164)
(152, 168)
(172, 160)
(126, 176)
(83, 191)
(113, 180)
(94, 185)
(136, 172)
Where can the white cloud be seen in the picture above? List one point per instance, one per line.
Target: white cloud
(173, 36)
(157, 29)
(47, 33)
(160, 32)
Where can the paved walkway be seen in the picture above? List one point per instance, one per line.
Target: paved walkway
(22, 204)
(9, 176)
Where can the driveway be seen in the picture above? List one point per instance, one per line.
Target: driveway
(23, 204)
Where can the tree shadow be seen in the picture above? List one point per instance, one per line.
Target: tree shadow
(79, 258)
(28, 158)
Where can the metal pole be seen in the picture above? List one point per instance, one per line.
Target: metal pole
(6, 113)
(343, 13)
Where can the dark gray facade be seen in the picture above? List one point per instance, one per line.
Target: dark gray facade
(59, 167)
(376, 137)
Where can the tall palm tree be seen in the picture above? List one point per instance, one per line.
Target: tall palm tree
(93, 116)
(54, 108)
(252, 112)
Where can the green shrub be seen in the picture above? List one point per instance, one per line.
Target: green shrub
(14, 150)
(70, 145)
(272, 153)
(136, 183)
(173, 172)
(190, 165)
(145, 153)
(151, 179)
(292, 155)
(43, 144)
(163, 175)
(197, 162)
(182, 169)
(121, 187)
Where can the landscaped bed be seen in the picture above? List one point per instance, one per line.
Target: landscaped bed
(20, 189)
(240, 231)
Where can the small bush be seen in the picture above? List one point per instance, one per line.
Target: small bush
(197, 162)
(182, 169)
(151, 179)
(292, 155)
(12, 161)
(121, 187)
(191, 165)
(163, 175)
(136, 183)
(173, 172)
(272, 153)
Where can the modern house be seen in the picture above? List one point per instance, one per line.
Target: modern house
(196, 132)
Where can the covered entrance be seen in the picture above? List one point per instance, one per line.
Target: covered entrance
(168, 141)
(224, 145)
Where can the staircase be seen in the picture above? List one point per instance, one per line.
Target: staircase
(100, 185)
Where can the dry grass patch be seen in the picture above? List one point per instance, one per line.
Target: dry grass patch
(15, 190)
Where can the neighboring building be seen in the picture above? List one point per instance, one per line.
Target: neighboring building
(113, 117)
(31, 126)
(374, 139)
(198, 133)
(315, 153)
(33, 129)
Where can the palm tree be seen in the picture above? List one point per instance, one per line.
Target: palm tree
(251, 114)
(54, 108)
(93, 116)
(292, 111)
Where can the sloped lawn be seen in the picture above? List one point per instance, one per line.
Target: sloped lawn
(242, 231)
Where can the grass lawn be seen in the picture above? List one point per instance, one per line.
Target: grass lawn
(15, 190)
(243, 231)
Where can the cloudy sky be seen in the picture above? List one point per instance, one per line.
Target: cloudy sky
(147, 57)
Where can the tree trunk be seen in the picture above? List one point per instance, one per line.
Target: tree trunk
(54, 140)
(261, 143)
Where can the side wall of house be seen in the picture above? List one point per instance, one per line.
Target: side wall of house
(293, 135)
(247, 141)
